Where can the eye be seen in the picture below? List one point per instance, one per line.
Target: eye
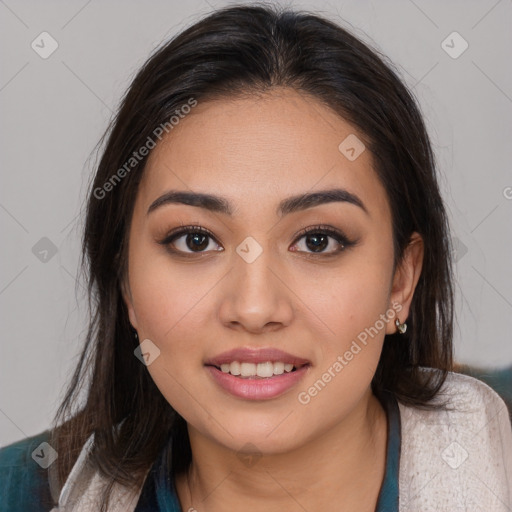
(322, 240)
(190, 239)
(318, 240)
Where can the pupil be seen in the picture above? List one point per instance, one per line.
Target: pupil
(203, 243)
(319, 242)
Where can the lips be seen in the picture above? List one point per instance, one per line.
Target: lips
(255, 388)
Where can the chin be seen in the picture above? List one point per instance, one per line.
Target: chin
(251, 432)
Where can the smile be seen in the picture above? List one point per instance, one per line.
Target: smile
(257, 374)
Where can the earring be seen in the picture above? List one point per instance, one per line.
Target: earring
(400, 327)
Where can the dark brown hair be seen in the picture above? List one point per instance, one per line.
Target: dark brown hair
(248, 49)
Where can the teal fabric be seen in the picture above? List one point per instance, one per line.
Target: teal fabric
(389, 493)
(24, 484)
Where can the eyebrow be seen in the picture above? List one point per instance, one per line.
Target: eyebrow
(289, 205)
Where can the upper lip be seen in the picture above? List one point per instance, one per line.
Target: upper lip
(256, 355)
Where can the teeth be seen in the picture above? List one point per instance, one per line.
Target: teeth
(234, 368)
(264, 370)
(278, 368)
(247, 369)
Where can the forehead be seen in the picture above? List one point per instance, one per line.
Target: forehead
(255, 150)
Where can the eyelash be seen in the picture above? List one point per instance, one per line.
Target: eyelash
(343, 241)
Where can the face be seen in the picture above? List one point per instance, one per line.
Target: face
(308, 285)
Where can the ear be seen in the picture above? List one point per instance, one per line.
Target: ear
(405, 280)
(128, 300)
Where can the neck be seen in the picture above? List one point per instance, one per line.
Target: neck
(346, 464)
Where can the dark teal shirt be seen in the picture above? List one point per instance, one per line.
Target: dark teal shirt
(24, 485)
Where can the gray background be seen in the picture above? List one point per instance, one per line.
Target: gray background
(54, 111)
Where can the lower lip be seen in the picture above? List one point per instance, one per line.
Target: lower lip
(258, 388)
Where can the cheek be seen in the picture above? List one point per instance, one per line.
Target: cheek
(351, 305)
(170, 308)
(350, 349)
(165, 298)
(351, 300)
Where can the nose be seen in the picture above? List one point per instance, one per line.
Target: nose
(255, 296)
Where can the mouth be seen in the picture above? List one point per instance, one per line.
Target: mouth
(257, 374)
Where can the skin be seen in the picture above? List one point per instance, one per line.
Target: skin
(256, 151)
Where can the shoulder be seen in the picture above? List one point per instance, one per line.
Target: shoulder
(466, 394)
(460, 453)
(24, 483)
(464, 402)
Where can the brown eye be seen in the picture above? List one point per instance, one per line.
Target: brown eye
(196, 241)
(322, 241)
(317, 242)
(189, 240)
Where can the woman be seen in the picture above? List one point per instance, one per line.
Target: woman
(271, 295)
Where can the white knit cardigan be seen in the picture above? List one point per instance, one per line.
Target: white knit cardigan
(450, 460)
